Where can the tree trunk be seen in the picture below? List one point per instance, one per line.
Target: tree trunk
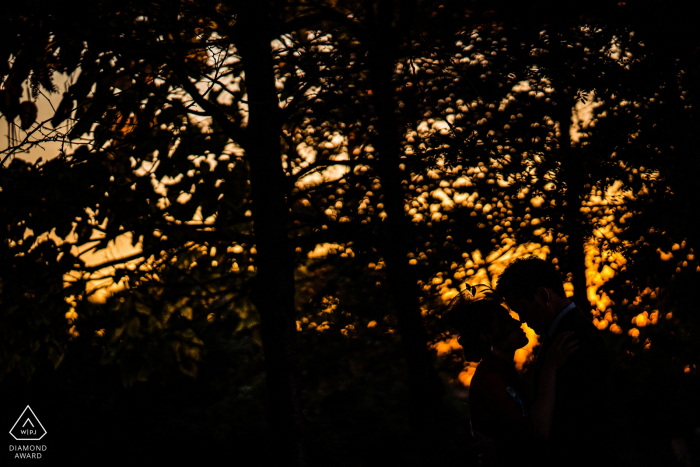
(574, 222)
(426, 388)
(273, 293)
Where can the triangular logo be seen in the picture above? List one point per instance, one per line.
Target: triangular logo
(27, 427)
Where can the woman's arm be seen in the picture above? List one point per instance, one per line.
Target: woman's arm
(543, 405)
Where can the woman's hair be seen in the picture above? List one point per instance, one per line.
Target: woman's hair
(471, 316)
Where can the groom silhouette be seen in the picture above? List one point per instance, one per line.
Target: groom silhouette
(533, 289)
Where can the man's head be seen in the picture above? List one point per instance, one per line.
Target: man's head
(533, 289)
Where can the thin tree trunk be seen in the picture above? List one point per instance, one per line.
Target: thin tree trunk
(273, 293)
(573, 225)
(426, 388)
(577, 256)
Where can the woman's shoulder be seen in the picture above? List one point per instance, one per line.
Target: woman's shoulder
(491, 373)
(497, 407)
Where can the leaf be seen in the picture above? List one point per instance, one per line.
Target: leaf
(63, 111)
(27, 114)
(133, 327)
(9, 101)
(142, 308)
(55, 355)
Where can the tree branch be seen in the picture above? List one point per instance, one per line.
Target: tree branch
(231, 129)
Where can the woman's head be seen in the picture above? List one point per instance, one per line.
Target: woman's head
(483, 322)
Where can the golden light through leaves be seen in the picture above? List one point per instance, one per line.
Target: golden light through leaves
(432, 196)
(602, 264)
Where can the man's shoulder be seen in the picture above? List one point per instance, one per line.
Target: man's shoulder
(588, 335)
(576, 321)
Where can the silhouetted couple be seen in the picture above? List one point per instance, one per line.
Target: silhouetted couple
(565, 424)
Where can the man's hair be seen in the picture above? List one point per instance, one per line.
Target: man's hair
(470, 317)
(525, 275)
